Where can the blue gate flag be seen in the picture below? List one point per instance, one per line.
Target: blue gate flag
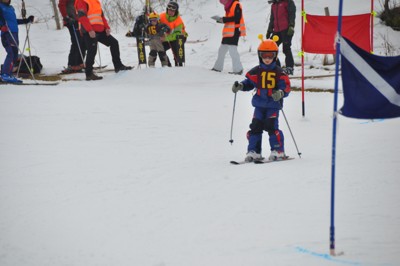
(371, 83)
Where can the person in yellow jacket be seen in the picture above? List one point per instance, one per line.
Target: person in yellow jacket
(173, 20)
(234, 28)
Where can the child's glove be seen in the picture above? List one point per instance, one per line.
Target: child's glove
(277, 95)
(4, 28)
(237, 87)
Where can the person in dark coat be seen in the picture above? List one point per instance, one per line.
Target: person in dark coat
(281, 23)
(77, 51)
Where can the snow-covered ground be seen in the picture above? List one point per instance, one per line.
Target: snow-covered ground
(134, 169)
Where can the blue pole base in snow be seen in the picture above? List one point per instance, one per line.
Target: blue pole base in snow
(327, 257)
(332, 239)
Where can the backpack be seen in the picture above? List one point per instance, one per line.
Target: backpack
(24, 69)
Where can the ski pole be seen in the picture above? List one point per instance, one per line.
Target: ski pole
(23, 11)
(233, 114)
(170, 46)
(23, 57)
(287, 123)
(23, 49)
(98, 51)
(78, 43)
(27, 27)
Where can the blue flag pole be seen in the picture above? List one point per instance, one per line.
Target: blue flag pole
(332, 226)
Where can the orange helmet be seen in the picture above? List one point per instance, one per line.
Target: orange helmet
(268, 46)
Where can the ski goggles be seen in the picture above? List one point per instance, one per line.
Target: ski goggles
(171, 7)
(267, 55)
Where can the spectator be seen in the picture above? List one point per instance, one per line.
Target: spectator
(156, 32)
(77, 51)
(283, 27)
(173, 20)
(95, 29)
(234, 28)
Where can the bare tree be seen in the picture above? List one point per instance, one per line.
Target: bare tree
(56, 15)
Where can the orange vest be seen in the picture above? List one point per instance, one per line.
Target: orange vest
(172, 24)
(229, 27)
(95, 12)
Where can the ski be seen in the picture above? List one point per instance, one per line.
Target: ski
(287, 158)
(81, 71)
(112, 70)
(238, 162)
(30, 83)
(180, 57)
(197, 41)
(263, 161)
(141, 50)
(312, 76)
(99, 67)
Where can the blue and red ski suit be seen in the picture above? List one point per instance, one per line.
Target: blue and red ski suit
(266, 79)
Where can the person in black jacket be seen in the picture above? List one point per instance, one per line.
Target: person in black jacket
(281, 23)
(77, 51)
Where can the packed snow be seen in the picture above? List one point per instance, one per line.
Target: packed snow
(134, 169)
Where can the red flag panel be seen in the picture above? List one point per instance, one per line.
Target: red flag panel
(320, 31)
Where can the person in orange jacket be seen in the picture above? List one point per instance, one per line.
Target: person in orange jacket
(234, 27)
(173, 20)
(95, 29)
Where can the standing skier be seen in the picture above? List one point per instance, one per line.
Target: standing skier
(156, 33)
(272, 85)
(78, 50)
(9, 38)
(95, 29)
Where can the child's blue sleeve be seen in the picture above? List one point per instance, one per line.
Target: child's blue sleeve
(248, 84)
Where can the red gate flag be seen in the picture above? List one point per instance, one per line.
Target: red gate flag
(320, 31)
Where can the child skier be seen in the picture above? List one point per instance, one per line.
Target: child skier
(272, 85)
(9, 38)
(156, 33)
